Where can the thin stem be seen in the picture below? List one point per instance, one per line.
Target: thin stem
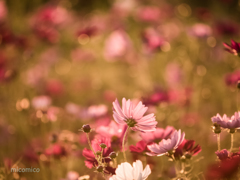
(89, 143)
(231, 142)
(218, 141)
(123, 142)
(183, 168)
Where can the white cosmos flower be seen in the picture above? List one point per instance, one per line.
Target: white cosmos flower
(125, 171)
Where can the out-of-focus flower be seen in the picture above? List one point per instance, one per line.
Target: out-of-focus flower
(226, 27)
(200, 30)
(223, 154)
(56, 150)
(125, 171)
(46, 33)
(41, 102)
(182, 96)
(54, 87)
(133, 116)
(226, 169)
(89, 31)
(79, 55)
(72, 175)
(203, 13)
(152, 40)
(232, 79)
(173, 75)
(91, 162)
(97, 110)
(158, 134)
(156, 98)
(187, 149)
(113, 129)
(3, 10)
(226, 122)
(149, 14)
(234, 48)
(117, 45)
(52, 113)
(166, 146)
(53, 15)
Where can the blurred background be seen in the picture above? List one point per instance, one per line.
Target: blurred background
(63, 63)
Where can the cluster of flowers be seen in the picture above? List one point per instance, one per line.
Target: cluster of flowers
(155, 142)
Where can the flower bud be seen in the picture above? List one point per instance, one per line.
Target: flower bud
(100, 168)
(233, 130)
(188, 156)
(112, 155)
(216, 128)
(103, 145)
(86, 128)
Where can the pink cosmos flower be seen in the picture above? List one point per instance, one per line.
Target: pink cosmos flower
(234, 48)
(188, 149)
(226, 122)
(125, 171)
(168, 145)
(158, 135)
(133, 116)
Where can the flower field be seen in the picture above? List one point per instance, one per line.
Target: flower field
(119, 90)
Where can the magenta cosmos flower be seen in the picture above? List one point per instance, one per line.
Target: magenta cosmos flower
(226, 122)
(166, 146)
(234, 48)
(133, 116)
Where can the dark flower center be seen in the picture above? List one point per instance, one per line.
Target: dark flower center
(131, 122)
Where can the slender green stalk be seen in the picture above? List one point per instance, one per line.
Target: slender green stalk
(231, 142)
(218, 141)
(89, 143)
(123, 142)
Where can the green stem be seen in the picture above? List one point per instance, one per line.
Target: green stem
(218, 141)
(123, 142)
(89, 143)
(231, 142)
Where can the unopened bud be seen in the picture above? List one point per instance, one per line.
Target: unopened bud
(100, 168)
(233, 130)
(103, 145)
(112, 155)
(188, 156)
(86, 128)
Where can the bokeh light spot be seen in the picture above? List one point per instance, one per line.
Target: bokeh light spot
(83, 39)
(184, 10)
(201, 70)
(211, 41)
